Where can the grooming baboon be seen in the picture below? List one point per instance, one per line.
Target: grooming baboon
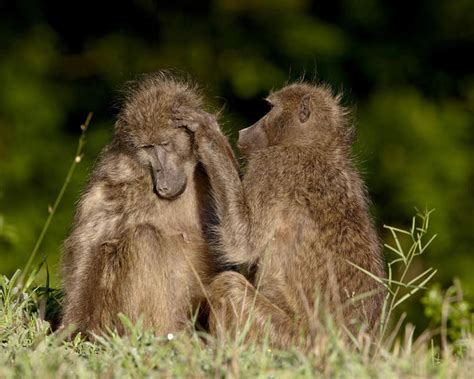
(300, 215)
(138, 242)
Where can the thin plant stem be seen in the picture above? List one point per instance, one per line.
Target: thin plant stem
(52, 211)
(417, 235)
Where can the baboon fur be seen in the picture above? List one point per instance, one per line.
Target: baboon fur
(299, 215)
(138, 246)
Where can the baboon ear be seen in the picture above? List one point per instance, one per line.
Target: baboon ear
(305, 108)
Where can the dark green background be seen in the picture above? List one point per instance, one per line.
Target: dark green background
(405, 69)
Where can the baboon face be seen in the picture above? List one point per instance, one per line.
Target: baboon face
(286, 122)
(144, 130)
(170, 159)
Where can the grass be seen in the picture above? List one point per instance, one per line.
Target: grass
(29, 348)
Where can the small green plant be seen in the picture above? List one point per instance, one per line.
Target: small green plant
(52, 210)
(404, 287)
(450, 314)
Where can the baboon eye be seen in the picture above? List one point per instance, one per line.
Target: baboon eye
(165, 143)
(145, 146)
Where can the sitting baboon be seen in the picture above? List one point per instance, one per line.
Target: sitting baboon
(139, 240)
(300, 215)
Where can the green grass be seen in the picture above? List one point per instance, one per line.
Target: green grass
(29, 349)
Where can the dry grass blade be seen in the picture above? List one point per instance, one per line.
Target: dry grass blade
(52, 211)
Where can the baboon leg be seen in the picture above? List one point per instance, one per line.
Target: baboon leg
(88, 301)
(134, 279)
(237, 307)
(146, 284)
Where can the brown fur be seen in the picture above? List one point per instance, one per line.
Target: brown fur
(299, 214)
(130, 250)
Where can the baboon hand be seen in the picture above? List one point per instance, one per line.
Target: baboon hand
(193, 119)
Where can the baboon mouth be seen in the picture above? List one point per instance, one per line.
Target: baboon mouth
(169, 195)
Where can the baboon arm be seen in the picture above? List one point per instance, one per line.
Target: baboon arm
(231, 205)
(93, 226)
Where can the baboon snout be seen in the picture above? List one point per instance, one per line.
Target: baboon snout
(169, 185)
(252, 139)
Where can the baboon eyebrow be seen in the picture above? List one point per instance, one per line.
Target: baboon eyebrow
(268, 100)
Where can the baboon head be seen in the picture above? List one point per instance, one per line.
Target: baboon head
(145, 132)
(300, 114)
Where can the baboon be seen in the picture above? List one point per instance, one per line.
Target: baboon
(299, 215)
(139, 242)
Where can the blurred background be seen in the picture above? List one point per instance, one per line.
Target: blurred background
(405, 68)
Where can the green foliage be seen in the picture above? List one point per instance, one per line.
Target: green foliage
(8, 237)
(449, 313)
(422, 155)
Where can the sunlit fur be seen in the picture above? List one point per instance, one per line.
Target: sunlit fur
(131, 251)
(299, 215)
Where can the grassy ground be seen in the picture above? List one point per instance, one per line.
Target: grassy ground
(29, 349)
